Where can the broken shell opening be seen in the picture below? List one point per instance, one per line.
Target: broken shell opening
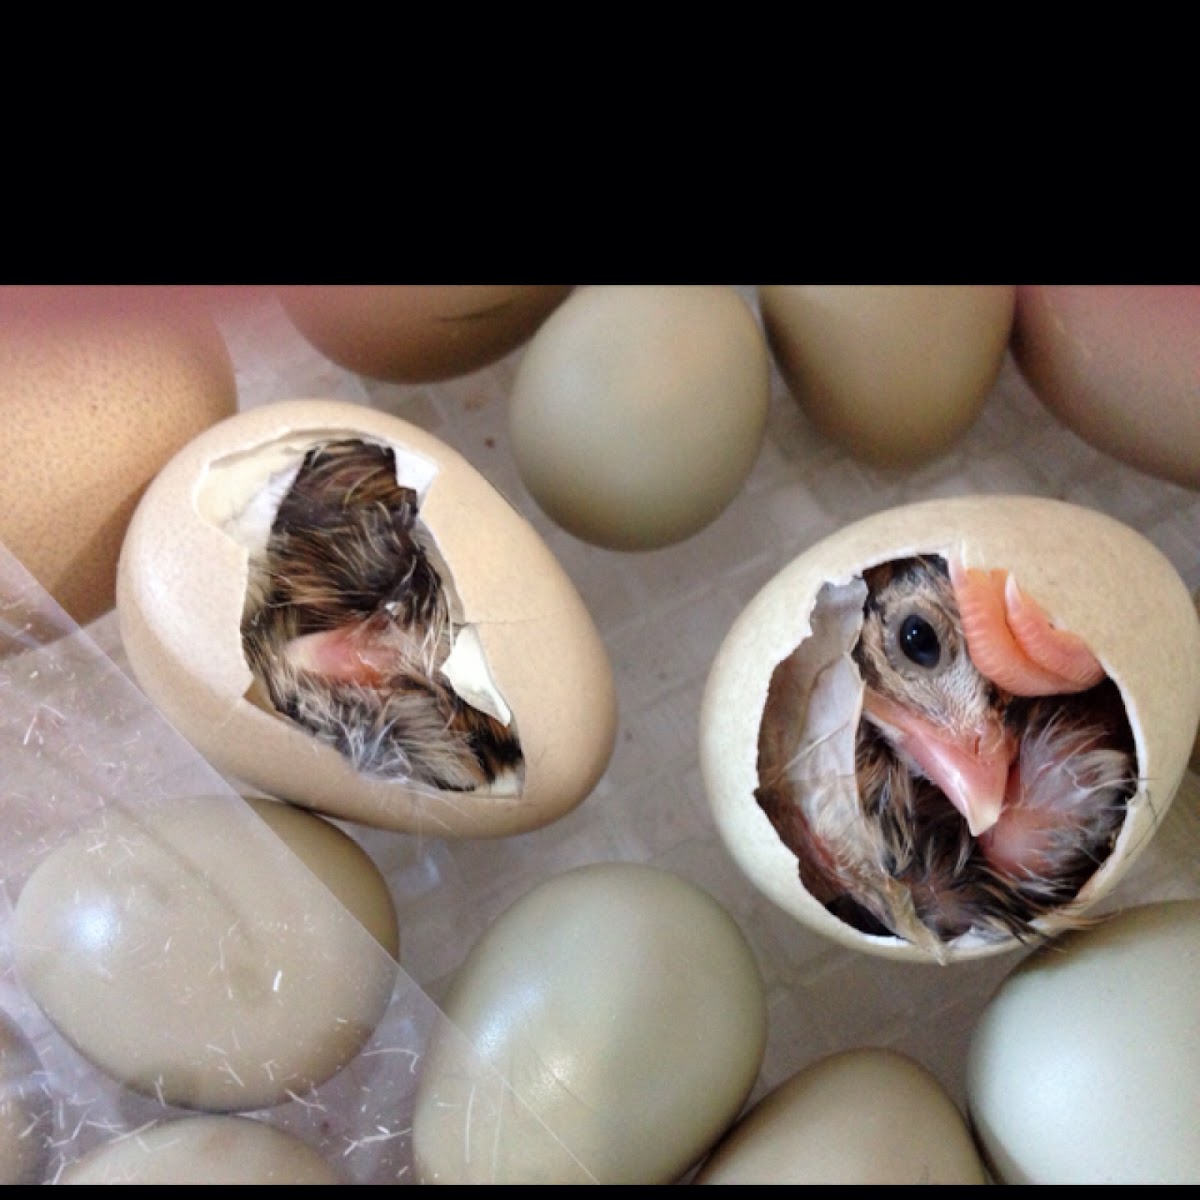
(922, 799)
(352, 627)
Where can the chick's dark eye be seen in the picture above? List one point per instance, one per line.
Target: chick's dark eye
(919, 641)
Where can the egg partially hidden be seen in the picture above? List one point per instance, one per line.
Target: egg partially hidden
(338, 609)
(205, 1150)
(191, 956)
(1119, 366)
(638, 412)
(1085, 1065)
(413, 333)
(98, 390)
(949, 728)
(606, 1028)
(894, 374)
(865, 1116)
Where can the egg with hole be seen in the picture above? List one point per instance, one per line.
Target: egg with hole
(191, 956)
(1084, 1066)
(99, 389)
(1119, 366)
(638, 412)
(895, 375)
(413, 333)
(606, 1028)
(949, 729)
(866, 1116)
(202, 1150)
(337, 608)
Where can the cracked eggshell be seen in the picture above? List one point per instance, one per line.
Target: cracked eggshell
(1092, 574)
(181, 589)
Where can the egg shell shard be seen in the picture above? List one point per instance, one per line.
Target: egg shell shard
(865, 1116)
(1084, 1066)
(1093, 575)
(181, 591)
(202, 1150)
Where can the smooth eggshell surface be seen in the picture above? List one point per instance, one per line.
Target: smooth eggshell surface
(203, 1150)
(1120, 366)
(1085, 1064)
(182, 586)
(1195, 760)
(412, 333)
(865, 1116)
(26, 1108)
(894, 374)
(97, 394)
(638, 412)
(626, 1010)
(1093, 575)
(188, 954)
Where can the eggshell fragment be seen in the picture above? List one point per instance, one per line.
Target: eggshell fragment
(190, 956)
(1119, 366)
(412, 333)
(894, 374)
(530, 646)
(26, 1116)
(865, 1116)
(202, 1150)
(1085, 1065)
(638, 411)
(98, 391)
(1093, 575)
(625, 1009)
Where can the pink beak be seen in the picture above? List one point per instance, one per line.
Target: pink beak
(972, 769)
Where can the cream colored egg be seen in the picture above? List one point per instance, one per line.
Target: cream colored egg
(525, 650)
(97, 391)
(606, 1028)
(1119, 366)
(864, 1116)
(1085, 1065)
(411, 333)
(26, 1108)
(187, 953)
(894, 374)
(784, 675)
(202, 1150)
(638, 411)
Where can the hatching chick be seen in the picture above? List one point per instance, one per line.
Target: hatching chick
(347, 626)
(988, 808)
